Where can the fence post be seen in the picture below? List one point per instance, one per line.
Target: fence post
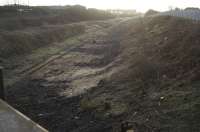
(2, 90)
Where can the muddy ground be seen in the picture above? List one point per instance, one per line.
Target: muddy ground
(48, 88)
(141, 70)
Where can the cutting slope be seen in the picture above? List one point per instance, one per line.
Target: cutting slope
(157, 84)
(144, 70)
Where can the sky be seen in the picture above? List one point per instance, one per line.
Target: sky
(139, 5)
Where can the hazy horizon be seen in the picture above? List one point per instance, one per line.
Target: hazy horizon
(139, 5)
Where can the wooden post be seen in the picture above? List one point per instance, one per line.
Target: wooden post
(2, 91)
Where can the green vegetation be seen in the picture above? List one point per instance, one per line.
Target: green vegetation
(21, 42)
(20, 17)
(23, 29)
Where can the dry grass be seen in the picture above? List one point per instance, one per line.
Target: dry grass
(25, 41)
(160, 56)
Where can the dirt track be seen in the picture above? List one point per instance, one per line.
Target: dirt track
(50, 91)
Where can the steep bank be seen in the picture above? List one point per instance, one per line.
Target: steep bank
(156, 86)
(144, 71)
(24, 29)
(20, 42)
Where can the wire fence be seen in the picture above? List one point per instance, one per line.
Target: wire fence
(189, 14)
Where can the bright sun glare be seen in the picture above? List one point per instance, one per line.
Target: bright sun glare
(140, 5)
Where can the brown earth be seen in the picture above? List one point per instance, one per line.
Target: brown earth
(142, 70)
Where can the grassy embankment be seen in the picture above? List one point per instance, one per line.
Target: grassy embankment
(23, 31)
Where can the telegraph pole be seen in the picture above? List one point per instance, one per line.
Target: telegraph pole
(2, 90)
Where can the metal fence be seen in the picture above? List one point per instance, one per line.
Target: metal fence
(189, 14)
